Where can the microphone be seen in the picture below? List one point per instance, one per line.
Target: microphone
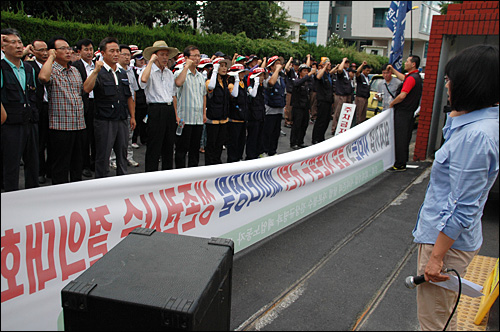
(412, 282)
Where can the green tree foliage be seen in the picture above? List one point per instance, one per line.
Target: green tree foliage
(302, 32)
(444, 6)
(142, 36)
(147, 13)
(258, 19)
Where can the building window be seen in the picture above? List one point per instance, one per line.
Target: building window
(425, 49)
(311, 34)
(310, 11)
(345, 22)
(379, 15)
(428, 10)
(337, 26)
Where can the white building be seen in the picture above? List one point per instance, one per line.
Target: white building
(363, 23)
(294, 31)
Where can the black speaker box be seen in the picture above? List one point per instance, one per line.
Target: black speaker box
(154, 281)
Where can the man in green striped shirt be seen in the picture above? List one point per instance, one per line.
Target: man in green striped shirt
(191, 104)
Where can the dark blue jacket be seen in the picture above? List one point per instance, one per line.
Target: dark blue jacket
(275, 95)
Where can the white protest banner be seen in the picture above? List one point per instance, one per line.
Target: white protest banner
(345, 118)
(50, 235)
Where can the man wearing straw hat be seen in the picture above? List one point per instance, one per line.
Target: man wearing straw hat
(158, 84)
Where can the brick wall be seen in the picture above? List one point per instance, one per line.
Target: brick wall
(468, 18)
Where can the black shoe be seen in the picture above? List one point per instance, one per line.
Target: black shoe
(295, 147)
(397, 169)
(87, 173)
(41, 179)
(303, 146)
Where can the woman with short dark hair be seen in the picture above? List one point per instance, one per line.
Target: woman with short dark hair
(448, 229)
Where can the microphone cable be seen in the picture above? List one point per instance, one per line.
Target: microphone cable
(458, 298)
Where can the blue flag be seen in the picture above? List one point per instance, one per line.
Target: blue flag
(396, 21)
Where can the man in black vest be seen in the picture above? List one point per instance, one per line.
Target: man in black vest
(113, 102)
(343, 91)
(362, 91)
(324, 96)
(275, 102)
(40, 50)
(85, 47)
(292, 73)
(405, 104)
(301, 103)
(20, 131)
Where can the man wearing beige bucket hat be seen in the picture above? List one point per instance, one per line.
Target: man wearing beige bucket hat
(158, 84)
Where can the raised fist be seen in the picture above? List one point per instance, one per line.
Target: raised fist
(98, 66)
(52, 53)
(189, 62)
(154, 57)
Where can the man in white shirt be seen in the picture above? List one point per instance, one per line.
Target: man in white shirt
(158, 84)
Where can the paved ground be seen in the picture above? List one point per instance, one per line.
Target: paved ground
(344, 267)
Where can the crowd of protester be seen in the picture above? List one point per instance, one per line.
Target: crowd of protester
(83, 109)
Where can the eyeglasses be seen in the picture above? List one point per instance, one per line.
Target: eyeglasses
(42, 50)
(125, 54)
(446, 80)
(64, 48)
(195, 56)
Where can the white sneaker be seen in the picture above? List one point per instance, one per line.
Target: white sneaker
(113, 165)
(135, 145)
(263, 155)
(133, 163)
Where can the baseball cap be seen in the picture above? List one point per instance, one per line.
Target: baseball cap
(256, 72)
(236, 69)
(304, 66)
(273, 59)
(324, 60)
(251, 58)
(205, 62)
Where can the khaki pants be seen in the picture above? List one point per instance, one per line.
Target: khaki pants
(434, 303)
(361, 108)
(314, 106)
